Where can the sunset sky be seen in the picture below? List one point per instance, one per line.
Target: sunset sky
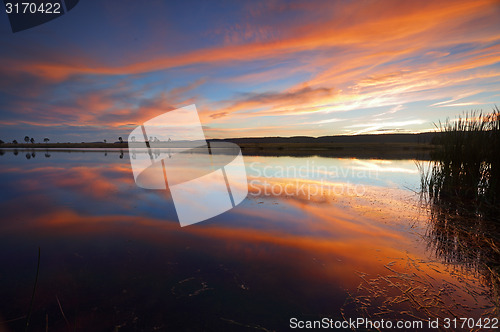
(270, 68)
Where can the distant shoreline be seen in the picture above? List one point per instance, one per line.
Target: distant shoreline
(82, 145)
(391, 146)
(323, 142)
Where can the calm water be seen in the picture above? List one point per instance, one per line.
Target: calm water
(316, 237)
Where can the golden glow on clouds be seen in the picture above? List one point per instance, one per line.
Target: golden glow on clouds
(341, 58)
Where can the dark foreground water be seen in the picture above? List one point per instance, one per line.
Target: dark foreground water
(316, 238)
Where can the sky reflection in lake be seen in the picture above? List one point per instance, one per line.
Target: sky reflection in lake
(114, 254)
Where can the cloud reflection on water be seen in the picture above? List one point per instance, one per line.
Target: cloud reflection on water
(317, 246)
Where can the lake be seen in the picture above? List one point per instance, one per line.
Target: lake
(316, 237)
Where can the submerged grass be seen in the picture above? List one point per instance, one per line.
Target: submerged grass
(33, 294)
(410, 291)
(462, 188)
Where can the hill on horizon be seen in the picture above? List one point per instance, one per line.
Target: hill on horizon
(426, 137)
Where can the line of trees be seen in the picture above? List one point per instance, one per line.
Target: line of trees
(31, 140)
(27, 139)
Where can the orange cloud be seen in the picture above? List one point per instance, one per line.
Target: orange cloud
(368, 26)
(356, 55)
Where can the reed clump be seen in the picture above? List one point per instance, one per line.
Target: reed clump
(468, 159)
(462, 188)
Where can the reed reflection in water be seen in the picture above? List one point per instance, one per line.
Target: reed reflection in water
(462, 189)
